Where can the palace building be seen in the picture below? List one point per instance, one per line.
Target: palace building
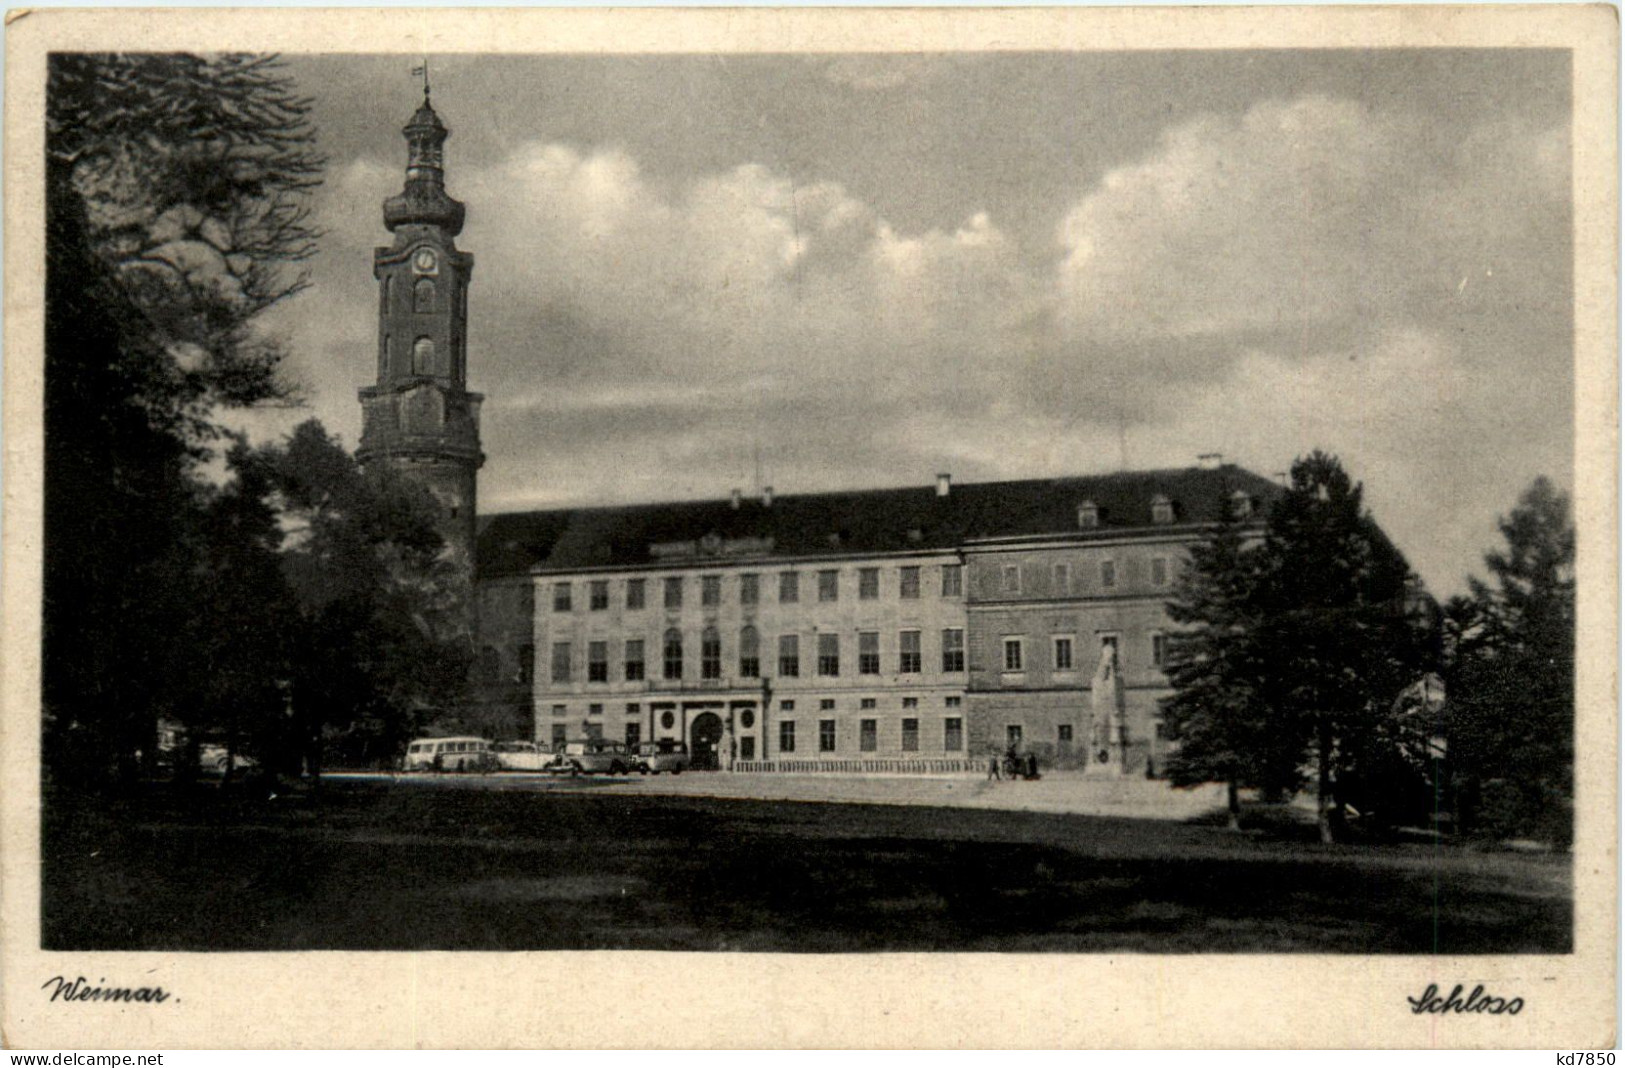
(908, 629)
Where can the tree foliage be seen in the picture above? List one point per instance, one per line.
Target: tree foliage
(381, 642)
(1294, 649)
(1511, 710)
(175, 198)
(1219, 713)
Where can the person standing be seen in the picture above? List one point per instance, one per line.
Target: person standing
(993, 767)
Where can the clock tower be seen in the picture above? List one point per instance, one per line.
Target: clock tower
(420, 418)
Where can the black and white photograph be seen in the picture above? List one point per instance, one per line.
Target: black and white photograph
(1062, 501)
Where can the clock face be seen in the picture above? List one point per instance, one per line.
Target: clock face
(424, 261)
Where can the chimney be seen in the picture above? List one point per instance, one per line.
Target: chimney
(734, 500)
(1209, 461)
(767, 496)
(944, 480)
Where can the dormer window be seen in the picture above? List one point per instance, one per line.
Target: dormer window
(1088, 515)
(1162, 509)
(1241, 505)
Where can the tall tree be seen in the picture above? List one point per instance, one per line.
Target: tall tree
(1511, 709)
(1219, 714)
(176, 194)
(382, 643)
(1332, 617)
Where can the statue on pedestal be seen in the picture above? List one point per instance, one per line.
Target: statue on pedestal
(1106, 739)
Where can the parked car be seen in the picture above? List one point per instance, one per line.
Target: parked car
(593, 756)
(521, 756)
(215, 758)
(666, 754)
(449, 754)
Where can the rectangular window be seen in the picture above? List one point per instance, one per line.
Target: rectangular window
(558, 711)
(749, 589)
(911, 736)
(634, 710)
(598, 595)
(868, 583)
(866, 735)
(1011, 578)
(866, 702)
(953, 734)
(560, 733)
(634, 659)
(1063, 579)
(953, 649)
(787, 736)
(953, 580)
(826, 736)
(787, 706)
(868, 652)
(634, 735)
(1159, 649)
(1159, 571)
(561, 596)
(671, 655)
(636, 590)
(710, 590)
(595, 709)
(1012, 654)
(951, 702)
(789, 655)
(1108, 573)
(595, 731)
(1063, 654)
(789, 587)
(674, 592)
(597, 661)
(1107, 638)
(747, 747)
(911, 702)
(826, 704)
(561, 662)
(908, 583)
(527, 664)
(908, 652)
(1063, 737)
(710, 655)
(1012, 736)
(829, 654)
(829, 585)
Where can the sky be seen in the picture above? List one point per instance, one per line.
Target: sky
(854, 270)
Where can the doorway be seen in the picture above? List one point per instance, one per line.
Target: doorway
(704, 741)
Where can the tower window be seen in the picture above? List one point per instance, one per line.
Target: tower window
(423, 295)
(423, 356)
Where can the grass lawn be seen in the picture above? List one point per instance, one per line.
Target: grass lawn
(396, 866)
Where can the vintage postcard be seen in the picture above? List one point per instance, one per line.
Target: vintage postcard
(880, 528)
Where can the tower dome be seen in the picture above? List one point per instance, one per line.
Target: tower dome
(423, 200)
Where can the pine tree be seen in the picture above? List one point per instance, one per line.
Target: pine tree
(1218, 715)
(1511, 710)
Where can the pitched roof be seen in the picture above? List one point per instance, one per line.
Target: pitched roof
(855, 521)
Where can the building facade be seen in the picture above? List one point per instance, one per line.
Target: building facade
(919, 628)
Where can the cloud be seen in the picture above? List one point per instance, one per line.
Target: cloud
(1309, 219)
(1307, 272)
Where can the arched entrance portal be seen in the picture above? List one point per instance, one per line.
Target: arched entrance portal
(704, 741)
